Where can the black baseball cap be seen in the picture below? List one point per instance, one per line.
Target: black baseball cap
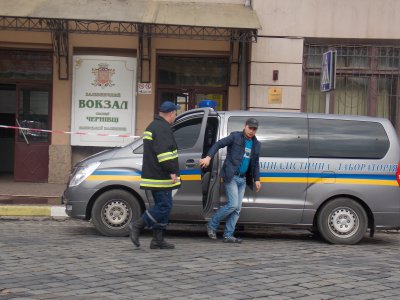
(168, 106)
(251, 122)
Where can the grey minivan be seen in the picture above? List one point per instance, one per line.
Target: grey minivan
(336, 175)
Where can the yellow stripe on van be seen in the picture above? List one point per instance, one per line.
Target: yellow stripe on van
(366, 181)
(284, 179)
(322, 180)
(191, 177)
(328, 181)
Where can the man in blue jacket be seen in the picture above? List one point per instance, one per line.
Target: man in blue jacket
(241, 167)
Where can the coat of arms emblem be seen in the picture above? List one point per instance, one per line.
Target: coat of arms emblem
(103, 76)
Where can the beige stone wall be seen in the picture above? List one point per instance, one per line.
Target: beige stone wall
(362, 19)
(59, 163)
(234, 98)
(25, 39)
(210, 1)
(284, 55)
(287, 23)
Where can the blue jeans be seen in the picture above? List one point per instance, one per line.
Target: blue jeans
(157, 216)
(231, 210)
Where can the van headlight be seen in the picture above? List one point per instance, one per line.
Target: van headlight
(82, 173)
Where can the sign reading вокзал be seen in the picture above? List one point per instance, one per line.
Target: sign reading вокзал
(103, 100)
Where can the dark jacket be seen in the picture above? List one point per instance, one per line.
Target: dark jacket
(236, 145)
(160, 157)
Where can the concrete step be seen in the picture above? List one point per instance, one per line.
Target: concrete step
(21, 199)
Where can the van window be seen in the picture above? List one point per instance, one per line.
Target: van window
(210, 135)
(347, 139)
(187, 132)
(279, 136)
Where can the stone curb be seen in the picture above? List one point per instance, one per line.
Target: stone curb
(32, 211)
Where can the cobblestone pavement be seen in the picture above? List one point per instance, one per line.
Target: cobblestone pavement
(49, 259)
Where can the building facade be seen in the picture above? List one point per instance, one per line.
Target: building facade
(89, 79)
(290, 44)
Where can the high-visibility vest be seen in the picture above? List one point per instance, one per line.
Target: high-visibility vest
(160, 157)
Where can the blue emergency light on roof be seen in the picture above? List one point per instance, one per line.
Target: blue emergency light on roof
(208, 103)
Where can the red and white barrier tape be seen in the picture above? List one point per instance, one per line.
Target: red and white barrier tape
(69, 132)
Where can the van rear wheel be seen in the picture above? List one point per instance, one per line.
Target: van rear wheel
(342, 221)
(113, 211)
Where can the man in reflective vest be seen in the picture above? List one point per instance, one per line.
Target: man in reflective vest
(160, 174)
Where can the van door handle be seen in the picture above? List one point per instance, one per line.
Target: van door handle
(190, 163)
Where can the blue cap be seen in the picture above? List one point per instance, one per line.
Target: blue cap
(168, 106)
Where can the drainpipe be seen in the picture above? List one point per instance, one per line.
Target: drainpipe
(243, 72)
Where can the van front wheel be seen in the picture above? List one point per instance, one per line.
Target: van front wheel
(113, 211)
(342, 221)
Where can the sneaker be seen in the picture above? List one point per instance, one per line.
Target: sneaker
(211, 233)
(232, 239)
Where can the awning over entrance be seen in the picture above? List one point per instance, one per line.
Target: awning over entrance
(137, 11)
(146, 19)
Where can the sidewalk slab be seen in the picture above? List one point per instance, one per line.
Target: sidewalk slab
(30, 189)
(29, 199)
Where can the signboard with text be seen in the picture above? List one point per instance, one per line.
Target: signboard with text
(103, 100)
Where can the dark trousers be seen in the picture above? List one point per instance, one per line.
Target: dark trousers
(157, 216)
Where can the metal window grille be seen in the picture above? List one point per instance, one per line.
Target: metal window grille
(367, 81)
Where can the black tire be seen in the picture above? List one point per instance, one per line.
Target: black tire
(113, 211)
(342, 221)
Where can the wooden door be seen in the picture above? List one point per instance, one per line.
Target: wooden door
(32, 147)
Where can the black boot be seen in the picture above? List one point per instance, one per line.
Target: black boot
(135, 228)
(158, 240)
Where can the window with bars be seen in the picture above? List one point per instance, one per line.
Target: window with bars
(367, 81)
